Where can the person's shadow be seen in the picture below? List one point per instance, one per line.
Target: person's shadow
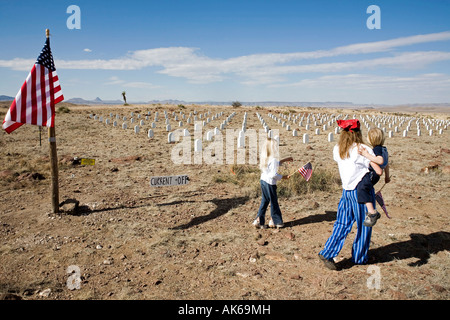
(223, 206)
(327, 216)
(420, 246)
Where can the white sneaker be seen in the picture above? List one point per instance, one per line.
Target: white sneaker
(256, 224)
(272, 225)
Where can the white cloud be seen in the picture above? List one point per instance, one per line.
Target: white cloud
(87, 50)
(408, 60)
(141, 85)
(268, 68)
(134, 84)
(428, 81)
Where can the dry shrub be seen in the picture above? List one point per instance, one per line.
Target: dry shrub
(321, 180)
(247, 178)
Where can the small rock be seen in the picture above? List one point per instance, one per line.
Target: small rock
(108, 261)
(99, 247)
(70, 205)
(214, 244)
(438, 288)
(262, 242)
(311, 204)
(296, 277)
(28, 292)
(433, 166)
(30, 176)
(157, 282)
(276, 257)
(45, 293)
(254, 257)
(10, 296)
(243, 275)
(289, 235)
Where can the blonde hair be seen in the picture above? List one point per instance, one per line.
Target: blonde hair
(268, 150)
(346, 141)
(376, 137)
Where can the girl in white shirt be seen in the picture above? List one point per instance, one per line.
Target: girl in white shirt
(269, 177)
(352, 168)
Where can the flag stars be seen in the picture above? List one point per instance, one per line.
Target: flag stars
(46, 58)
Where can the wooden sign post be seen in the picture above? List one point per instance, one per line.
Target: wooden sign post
(53, 161)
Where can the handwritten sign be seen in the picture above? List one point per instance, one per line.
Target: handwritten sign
(87, 162)
(169, 181)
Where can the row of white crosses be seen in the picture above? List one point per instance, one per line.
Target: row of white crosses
(198, 144)
(318, 120)
(191, 118)
(284, 121)
(396, 122)
(267, 128)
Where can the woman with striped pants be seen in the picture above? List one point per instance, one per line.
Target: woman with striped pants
(352, 167)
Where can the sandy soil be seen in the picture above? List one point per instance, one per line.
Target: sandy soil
(128, 240)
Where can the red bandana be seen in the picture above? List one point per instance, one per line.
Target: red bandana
(351, 124)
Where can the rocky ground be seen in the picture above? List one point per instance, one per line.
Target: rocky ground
(123, 239)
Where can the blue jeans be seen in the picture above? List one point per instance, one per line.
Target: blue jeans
(269, 195)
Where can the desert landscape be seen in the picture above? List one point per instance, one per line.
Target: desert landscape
(117, 237)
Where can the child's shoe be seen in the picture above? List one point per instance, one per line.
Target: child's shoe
(329, 263)
(257, 225)
(272, 225)
(371, 219)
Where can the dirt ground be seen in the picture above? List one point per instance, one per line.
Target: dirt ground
(128, 240)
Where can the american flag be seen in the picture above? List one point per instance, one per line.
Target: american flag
(380, 201)
(35, 101)
(306, 171)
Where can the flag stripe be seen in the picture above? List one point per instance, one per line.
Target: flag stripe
(23, 101)
(42, 100)
(52, 98)
(34, 106)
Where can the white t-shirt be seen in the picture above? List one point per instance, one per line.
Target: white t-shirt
(270, 174)
(352, 169)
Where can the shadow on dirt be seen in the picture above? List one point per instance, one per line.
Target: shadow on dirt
(223, 206)
(327, 216)
(420, 246)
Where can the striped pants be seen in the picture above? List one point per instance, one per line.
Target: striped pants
(349, 211)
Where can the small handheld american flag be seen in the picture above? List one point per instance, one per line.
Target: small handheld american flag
(380, 201)
(306, 171)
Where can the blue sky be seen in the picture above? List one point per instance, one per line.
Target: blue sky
(226, 50)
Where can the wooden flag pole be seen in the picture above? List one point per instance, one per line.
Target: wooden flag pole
(384, 185)
(53, 161)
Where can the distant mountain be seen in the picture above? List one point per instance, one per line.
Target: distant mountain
(6, 98)
(218, 103)
(314, 104)
(95, 101)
